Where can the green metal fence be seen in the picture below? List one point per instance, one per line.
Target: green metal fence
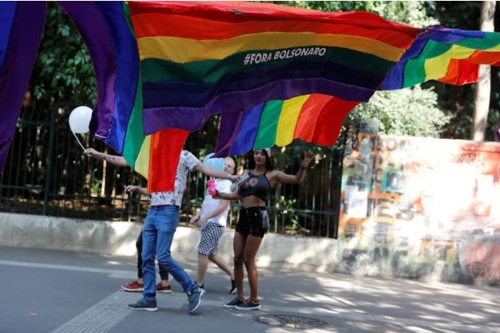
(47, 174)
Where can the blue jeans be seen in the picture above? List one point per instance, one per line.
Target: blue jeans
(157, 236)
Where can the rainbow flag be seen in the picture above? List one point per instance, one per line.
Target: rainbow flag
(204, 58)
(450, 56)
(21, 28)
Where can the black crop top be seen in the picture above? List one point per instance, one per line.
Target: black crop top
(261, 189)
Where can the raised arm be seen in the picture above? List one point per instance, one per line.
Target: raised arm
(113, 159)
(209, 171)
(299, 176)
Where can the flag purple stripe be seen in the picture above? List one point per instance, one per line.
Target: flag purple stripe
(230, 124)
(454, 35)
(7, 12)
(115, 56)
(246, 135)
(127, 80)
(175, 93)
(24, 41)
(192, 94)
(192, 118)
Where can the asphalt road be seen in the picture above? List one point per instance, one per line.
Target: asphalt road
(57, 291)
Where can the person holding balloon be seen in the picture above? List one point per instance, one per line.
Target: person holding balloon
(212, 219)
(253, 221)
(79, 120)
(138, 284)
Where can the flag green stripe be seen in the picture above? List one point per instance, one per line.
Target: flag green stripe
(211, 71)
(266, 135)
(414, 69)
(491, 42)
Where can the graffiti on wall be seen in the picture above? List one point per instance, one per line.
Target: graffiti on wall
(422, 206)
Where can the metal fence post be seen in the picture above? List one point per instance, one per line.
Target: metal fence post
(51, 158)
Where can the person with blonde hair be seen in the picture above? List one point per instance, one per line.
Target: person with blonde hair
(212, 219)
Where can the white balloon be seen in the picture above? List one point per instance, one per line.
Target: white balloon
(79, 119)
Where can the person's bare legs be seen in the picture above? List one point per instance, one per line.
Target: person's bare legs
(202, 268)
(251, 248)
(239, 241)
(222, 265)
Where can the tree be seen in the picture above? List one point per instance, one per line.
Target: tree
(483, 91)
(460, 99)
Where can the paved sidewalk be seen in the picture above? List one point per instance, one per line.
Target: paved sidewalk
(58, 291)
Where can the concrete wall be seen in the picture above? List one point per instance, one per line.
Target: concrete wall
(32, 231)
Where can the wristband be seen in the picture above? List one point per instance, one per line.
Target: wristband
(303, 166)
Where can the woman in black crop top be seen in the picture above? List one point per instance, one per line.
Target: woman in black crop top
(253, 221)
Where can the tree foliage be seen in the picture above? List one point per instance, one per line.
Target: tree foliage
(412, 112)
(63, 71)
(408, 12)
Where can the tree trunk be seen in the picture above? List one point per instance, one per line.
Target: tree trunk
(483, 91)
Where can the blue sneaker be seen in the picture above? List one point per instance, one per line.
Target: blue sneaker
(194, 298)
(144, 305)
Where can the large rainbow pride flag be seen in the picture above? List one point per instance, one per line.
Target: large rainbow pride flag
(274, 73)
(206, 58)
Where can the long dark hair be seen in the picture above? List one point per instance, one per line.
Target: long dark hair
(251, 161)
(234, 161)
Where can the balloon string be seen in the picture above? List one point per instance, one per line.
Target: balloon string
(76, 137)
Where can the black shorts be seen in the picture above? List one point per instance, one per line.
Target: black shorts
(252, 221)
